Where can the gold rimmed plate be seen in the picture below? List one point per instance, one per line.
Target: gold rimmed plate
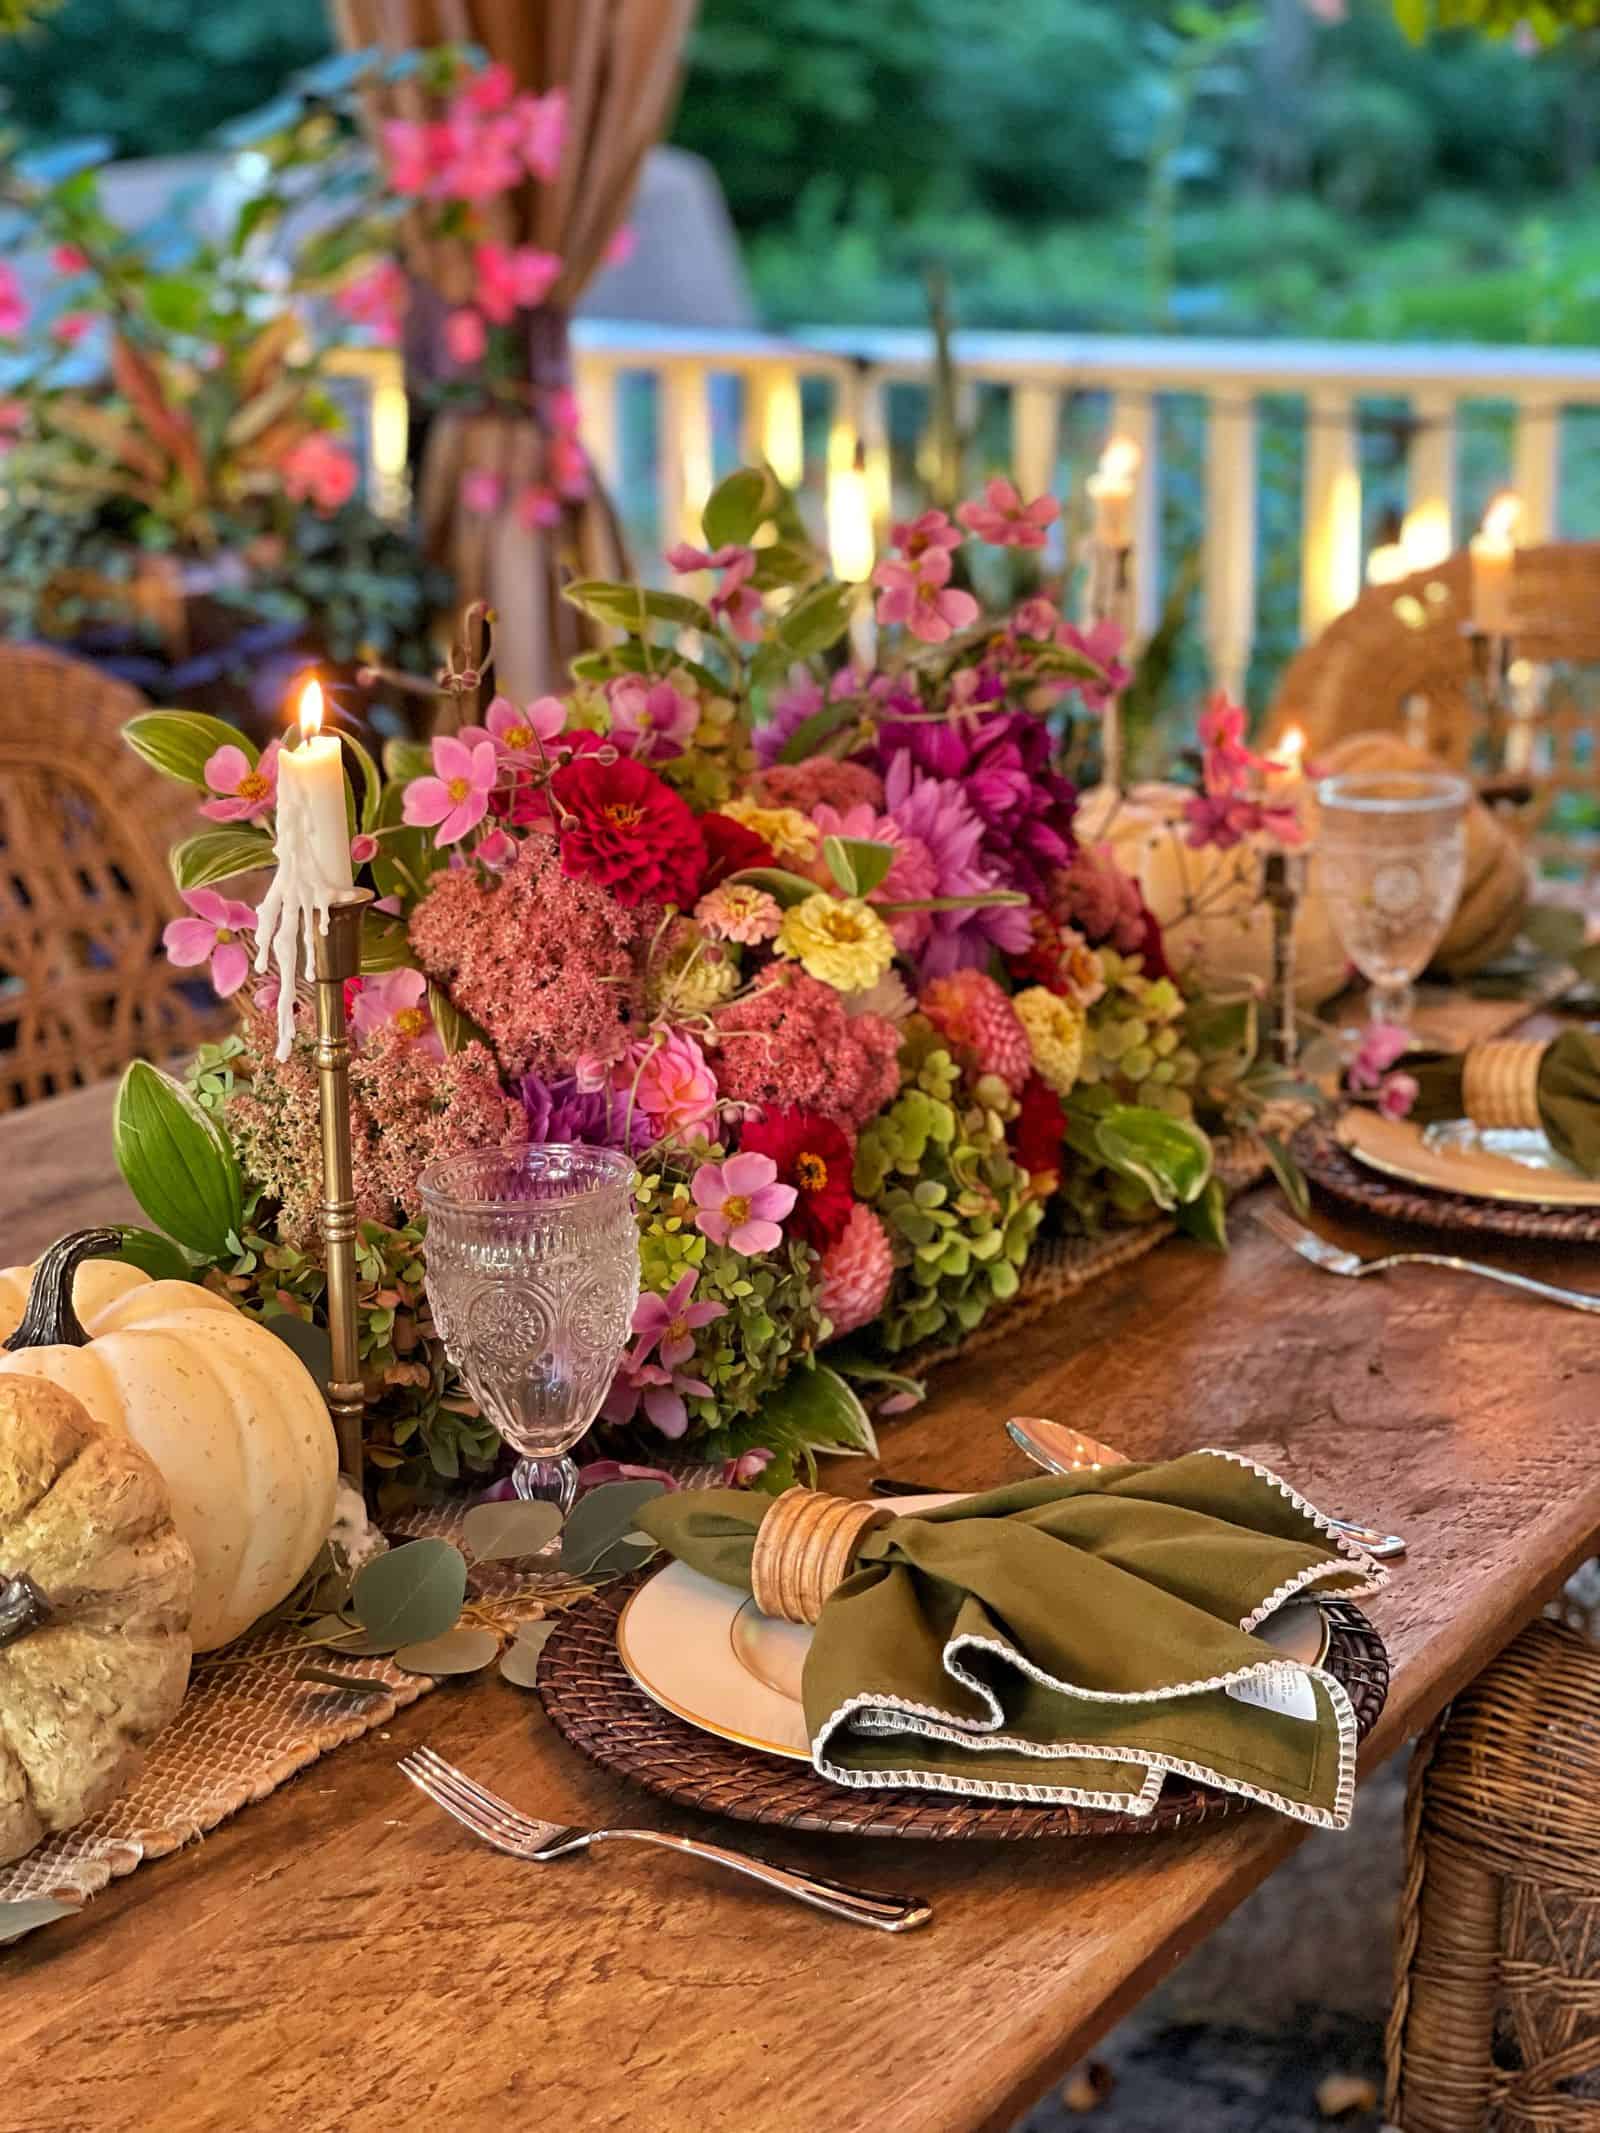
(1518, 1168)
(709, 1655)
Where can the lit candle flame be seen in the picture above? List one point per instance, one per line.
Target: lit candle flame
(1119, 463)
(309, 709)
(1504, 515)
(1290, 751)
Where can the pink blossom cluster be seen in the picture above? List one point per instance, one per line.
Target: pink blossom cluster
(1236, 801)
(735, 603)
(1382, 1045)
(490, 138)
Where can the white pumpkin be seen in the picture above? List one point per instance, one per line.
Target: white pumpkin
(1228, 941)
(230, 1415)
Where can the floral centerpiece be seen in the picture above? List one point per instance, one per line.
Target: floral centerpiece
(809, 933)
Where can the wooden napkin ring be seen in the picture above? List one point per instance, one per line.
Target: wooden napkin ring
(1500, 1081)
(804, 1548)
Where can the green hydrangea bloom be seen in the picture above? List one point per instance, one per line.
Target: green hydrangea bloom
(1133, 1044)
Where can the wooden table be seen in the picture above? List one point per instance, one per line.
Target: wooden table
(340, 1957)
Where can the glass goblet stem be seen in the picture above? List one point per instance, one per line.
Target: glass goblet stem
(1393, 1004)
(547, 1481)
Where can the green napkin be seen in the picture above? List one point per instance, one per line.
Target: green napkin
(1070, 1640)
(1569, 1094)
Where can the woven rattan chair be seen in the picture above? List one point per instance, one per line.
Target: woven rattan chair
(1496, 2023)
(84, 885)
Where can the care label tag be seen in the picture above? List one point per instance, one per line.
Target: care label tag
(1286, 1689)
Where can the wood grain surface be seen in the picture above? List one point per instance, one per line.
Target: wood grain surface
(341, 1957)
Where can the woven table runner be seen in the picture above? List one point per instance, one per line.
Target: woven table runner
(247, 1724)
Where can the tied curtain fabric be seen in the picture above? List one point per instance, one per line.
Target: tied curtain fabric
(619, 62)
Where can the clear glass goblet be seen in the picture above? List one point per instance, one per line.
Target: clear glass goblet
(533, 1272)
(1391, 856)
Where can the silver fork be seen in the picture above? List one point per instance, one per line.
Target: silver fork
(1333, 1259)
(498, 1823)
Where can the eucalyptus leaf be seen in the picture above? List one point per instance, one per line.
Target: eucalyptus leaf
(458, 1651)
(177, 1162)
(357, 1684)
(504, 1532)
(599, 1520)
(411, 1594)
(519, 1664)
(346, 1639)
(219, 855)
(180, 743)
(31, 1912)
(621, 1557)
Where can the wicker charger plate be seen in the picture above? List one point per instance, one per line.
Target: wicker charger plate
(594, 1703)
(1328, 1165)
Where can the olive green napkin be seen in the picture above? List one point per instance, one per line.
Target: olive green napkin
(1070, 1640)
(1569, 1093)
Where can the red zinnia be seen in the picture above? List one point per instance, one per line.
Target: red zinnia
(624, 829)
(730, 848)
(816, 1157)
(1036, 1133)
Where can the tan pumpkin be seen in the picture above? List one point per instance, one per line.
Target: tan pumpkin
(1494, 898)
(1227, 941)
(96, 1584)
(229, 1414)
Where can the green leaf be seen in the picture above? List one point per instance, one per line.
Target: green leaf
(178, 302)
(736, 507)
(456, 1030)
(366, 813)
(405, 760)
(405, 859)
(1206, 1218)
(411, 1594)
(180, 743)
(31, 1912)
(1288, 1174)
(311, 1342)
(782, 886)
(157, 1256)
(636, 658)
(1168, 1156)
(817, 620)
(504, 1532)
(598, 1521)
(784, 563)
(811, 732)
(385, 944)
(820, 1410)
(857, 864)
(632, 608)
(520, 1663)
(1554, 931)
(177, 1162)
(219, 855)
(458, 1651)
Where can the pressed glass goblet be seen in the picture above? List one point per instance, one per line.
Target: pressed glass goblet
(1391, 856)
(533, 1272)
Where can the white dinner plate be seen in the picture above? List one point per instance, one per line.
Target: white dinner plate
(710, 1656)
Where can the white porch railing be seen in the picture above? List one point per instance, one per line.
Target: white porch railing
(700, 421)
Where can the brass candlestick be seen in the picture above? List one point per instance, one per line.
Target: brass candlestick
(1109, 598)
(1282, 879)
(338, 957)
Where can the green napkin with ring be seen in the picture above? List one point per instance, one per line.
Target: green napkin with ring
(1061, 1641)
(1519, 1081)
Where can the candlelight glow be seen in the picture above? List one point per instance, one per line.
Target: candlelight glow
(1387, 563)
(1504, 515)
(1289, 754)
(1119, 463)
(1425, 536)
(852, 549)
(309, 709)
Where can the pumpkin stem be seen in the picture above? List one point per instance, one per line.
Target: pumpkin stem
(22, 1607)
(50, 1321)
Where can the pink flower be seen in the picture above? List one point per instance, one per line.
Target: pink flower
(920, 536)
(1382, 1043)
(363, 849)
(668, 1324)
(1103, 643)
(13, 421)
(213, 933)
(1397, 1095)
(736, 600)
(13, 304)
(671, 1081)
(376, 299)
(318, 472)
(857, 1269)
(497, 850)
(411, 150)
(513, 279)
(741, 1204)
(922, 598)
(621, 248)
(479, 156)
(482, 492)
(738, 911)
(399, 1001)
(537, 505)
(541, 131)
(71, 327)
(567, 464)
(490, 89)
(517, 734)
(651, 719)
(685, 557)
(456, 798)
(1004, 520)
(69, 259)
(248, 790)
(465, 337)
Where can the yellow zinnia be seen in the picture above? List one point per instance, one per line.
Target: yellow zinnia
(787, 833)
(1055, 1036)
(839, 939)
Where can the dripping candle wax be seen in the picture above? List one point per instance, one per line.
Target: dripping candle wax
(313, 856)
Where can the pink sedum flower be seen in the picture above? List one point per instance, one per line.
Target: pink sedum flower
(922, 598)
(672, 1083)
(518, 734)
(212, 935)
(741, 1203)
(668, 1324)
(1005, 521)
(318, 472)
(456, 798)
(245, 791)
(652, 720)
(397, 1001)
(465, 337)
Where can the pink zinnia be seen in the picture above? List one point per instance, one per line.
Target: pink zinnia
(397, 1001)
(671, 1082)
(651, 719)
(246, 790)
(738, 911)
(456, 798)
(922, 598)
(857, 1269)
(1005, 521)
(741, 1203)
(212, 934)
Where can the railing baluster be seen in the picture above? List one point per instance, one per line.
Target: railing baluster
(1430, 523)
(683, 450)
(1035, 437)
(1133, 415)
(1230, 540)
(600, 417)
(1536, 466)
(774, 428)
(1330, 554)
